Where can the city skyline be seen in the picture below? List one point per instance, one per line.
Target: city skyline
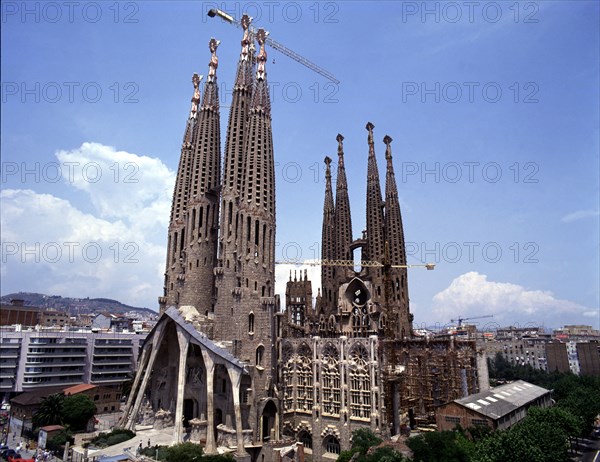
(491, 110)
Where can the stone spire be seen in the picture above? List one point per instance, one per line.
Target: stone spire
(396, 245)
(328, 237)
(343, 219)
(252, 259)
(257, 197)
(246, 307)
(228, 267)
(207, 156)
(238, 115)
(203, 203)
(183, 171)
(260, 95)
(375, 221)
(176, 240)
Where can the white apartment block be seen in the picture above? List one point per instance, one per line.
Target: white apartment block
(35, 358)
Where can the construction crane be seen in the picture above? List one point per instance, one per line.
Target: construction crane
(277, 46)
(460, 320)
(366, 264)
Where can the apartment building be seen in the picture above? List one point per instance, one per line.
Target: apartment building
(573, 349)
(34, 358)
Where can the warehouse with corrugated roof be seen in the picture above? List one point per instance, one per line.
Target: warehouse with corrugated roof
(497, 408)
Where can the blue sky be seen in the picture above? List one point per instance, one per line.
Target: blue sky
(493, 108)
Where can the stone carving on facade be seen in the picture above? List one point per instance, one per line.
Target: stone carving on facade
(163, 419)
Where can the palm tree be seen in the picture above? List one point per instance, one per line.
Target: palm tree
(50, 411)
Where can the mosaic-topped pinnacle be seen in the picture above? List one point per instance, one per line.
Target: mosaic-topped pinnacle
(261, 59)
(214, 60)
(196, 97)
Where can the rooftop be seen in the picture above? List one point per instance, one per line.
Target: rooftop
(500, 401)
(79, 388)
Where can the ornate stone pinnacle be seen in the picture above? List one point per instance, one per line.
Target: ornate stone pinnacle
(327, 160)
(196, 97)
(214, 60)
(246, 41)
(370, 128)
(340, 140)
(388, 149)
(246, 20)
(261, 59)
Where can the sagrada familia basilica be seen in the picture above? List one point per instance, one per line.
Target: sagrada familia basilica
(225, 367)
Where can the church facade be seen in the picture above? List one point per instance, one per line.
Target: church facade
(225, 366)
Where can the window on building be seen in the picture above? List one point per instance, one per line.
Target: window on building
(479, 422)
(452, 419)
(305, 438)
(288, 386)
(360, 383)
(251, 323)
(305, 379)
(330, 370)
(332, 445)
(260, 350)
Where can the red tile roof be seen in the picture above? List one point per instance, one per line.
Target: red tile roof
(79, 388)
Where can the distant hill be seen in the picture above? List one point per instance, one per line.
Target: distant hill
(74, 306)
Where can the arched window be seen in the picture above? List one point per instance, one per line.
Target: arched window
(260, 350)
(251, 323)
(360, 383)
(305, 379)
(332, 445)
(331, 380)
(287, 355)
(305, 438)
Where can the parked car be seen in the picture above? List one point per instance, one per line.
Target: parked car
(15, 457)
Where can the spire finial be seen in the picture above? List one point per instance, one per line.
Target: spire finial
(214, 60)
(370, 128)
(196, 97)
(327, 161)
(340, 140)
(246, 41)
(261, 59)
(388, 148)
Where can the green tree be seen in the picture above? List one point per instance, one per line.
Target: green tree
(190, 452)
(384, 454)
(543, 436)
(77, 411)
(57, 442)
(444, 446)
(184, 452)
(362, 440)
(50, 411)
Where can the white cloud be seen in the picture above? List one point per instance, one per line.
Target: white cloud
(116, 251)
(579, 215)
(471, 294)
